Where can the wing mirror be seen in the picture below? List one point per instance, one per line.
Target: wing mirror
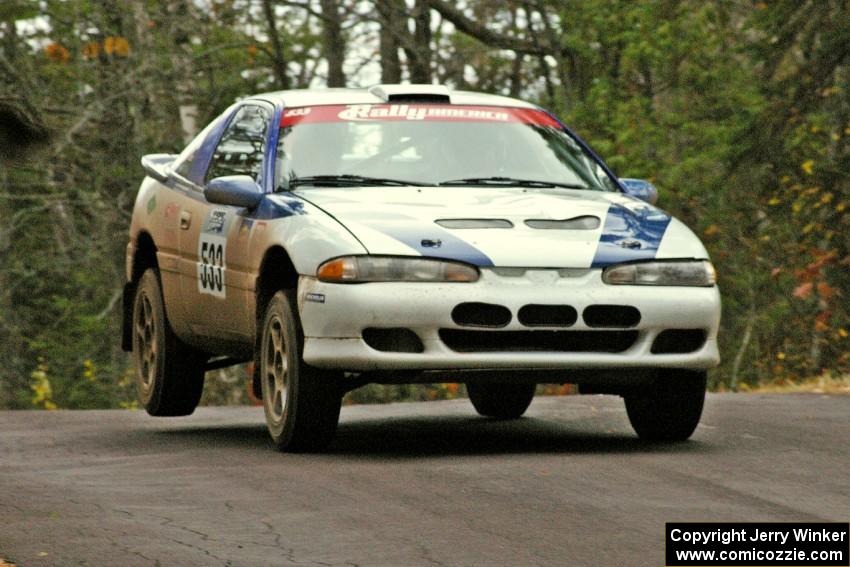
(640, 189)
(158, 165)
(234, 190)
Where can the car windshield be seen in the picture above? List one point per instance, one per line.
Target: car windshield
(430, 144)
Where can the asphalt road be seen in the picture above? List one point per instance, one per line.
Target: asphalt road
(409, 484)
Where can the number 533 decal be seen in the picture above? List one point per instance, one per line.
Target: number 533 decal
(211, 267)
(212, 247)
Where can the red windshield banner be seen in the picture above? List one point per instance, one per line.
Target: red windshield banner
(414, 113)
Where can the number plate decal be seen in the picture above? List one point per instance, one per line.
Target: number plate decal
(212, 250)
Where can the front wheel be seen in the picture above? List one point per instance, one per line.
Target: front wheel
(499, 400)
(671, 408)
(301, 403)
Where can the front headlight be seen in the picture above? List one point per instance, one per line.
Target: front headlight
(682, 273)
(357, 269)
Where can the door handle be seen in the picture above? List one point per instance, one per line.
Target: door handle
(185, 220)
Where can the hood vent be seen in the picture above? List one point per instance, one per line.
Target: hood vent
(587, 222)
(475, 223)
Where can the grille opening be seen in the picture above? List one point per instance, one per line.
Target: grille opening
(460, 340)
(622, 316)
(678, 341)
(547, 315)
(475, 314)
(393, 340)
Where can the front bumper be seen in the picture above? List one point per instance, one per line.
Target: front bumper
(334, 316)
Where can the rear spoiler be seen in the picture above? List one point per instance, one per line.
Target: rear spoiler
(158, 166)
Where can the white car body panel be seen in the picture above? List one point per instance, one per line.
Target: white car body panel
(519, 265)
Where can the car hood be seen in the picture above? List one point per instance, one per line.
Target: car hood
(544, 228)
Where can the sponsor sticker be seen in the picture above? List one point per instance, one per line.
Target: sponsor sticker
(315, 297)
(414, 113)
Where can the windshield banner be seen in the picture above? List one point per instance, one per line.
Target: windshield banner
(414, 113)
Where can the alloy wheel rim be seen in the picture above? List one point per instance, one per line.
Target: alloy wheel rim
(275, 378)
(146, 347)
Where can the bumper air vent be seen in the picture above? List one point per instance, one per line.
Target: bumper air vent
(547, 315)
(461, 340)
(475, 314)
(617, 316)
(678, 341)
(393, 340)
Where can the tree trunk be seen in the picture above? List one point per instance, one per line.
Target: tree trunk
(419, 56)
(391, 20)
(278, 56)
(334, 42)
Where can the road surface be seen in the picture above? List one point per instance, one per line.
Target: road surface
(409, 484)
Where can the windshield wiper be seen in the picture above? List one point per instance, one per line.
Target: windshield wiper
(347, 180)
(506, 181)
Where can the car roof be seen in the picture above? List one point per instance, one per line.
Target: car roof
(380, 94)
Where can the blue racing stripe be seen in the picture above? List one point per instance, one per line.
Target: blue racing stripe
(630, 234)
(414, 234)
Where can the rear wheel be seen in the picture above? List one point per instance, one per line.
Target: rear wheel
(499, 400)
(169, 373)
(301, 403)
(670, 409)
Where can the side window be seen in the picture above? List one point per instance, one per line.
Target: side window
(192, 160)
(240, 151)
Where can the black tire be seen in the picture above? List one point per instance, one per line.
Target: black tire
(169, 373)
(671, 408)
(500, 400)
(301, 403)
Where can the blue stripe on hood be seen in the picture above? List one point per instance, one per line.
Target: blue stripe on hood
(629, 234)
(451, 247)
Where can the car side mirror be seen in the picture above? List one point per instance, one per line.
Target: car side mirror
(640, 189)
(158, 166)
(234, 190)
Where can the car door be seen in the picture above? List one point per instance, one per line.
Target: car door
(215, 280)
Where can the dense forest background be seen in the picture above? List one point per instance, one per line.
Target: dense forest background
(739, 111)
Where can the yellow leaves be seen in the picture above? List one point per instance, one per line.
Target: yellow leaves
(780, 355)
(835, 137)
(807, 166)
(711, 230)
(841, 206)
(826, 198)
(57, 53)
(843, 333)
(91, 50)
(40, 386)
(116, 45)
(89, 370)
(774, 201)
(113, 45)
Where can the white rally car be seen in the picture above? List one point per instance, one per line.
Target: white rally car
(409, 233)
